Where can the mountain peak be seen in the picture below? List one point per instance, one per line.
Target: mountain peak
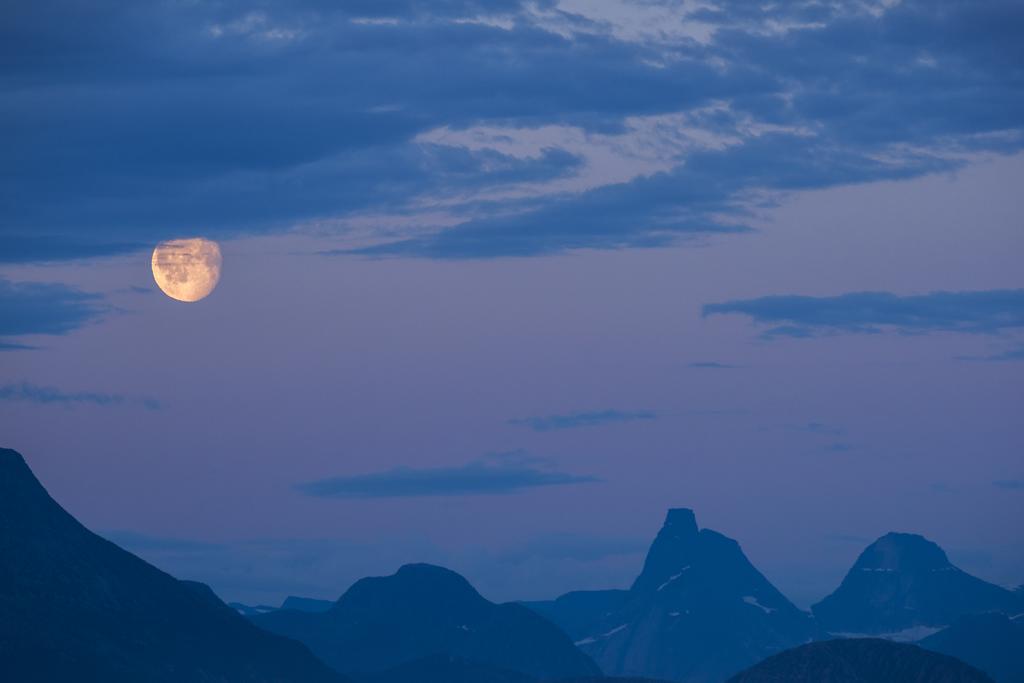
(424, 610)
(414, 588)
(421, 571)
(903, 581)
(899, 551)
(699, 611)
(672, 549)
(11, 461)
(682, 519)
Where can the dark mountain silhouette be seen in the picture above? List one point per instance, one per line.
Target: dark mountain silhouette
(903, 581)
(991, 642)
(576, 612)
(447, 669)
(75, 607)
(698, 612)
(422, 610)
(860, 660)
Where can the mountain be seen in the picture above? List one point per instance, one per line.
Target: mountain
(860, 660)
(251, 610)
(698, 612)
(291, 602)
(75, 607)
(577, 611)
(306, 604)
(423, 610)
(991, 642)
(904, 581)
(447, 669)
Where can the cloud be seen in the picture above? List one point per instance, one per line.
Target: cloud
(1010, 355)
(28, 308)
(488, 476)
(818, 428)
(48, 395)
(713, 365)
(13, 346)
(248, 119)
(978, 312)
(1009, 484)
(575, 420)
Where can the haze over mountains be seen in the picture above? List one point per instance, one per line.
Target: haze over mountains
(75, 607)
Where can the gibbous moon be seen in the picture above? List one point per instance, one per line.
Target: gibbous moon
(187, 269)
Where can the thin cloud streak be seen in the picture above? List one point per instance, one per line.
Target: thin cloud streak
(576, 420)
(480, 477)
(979, 312)
(32, 393)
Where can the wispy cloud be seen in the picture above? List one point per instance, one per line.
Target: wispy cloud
(818, 428)
(32, 393)
(713, 365)
(1009, 484)
(50, 308)
(493, 475)
(1010, 355)
(587, 419)
(13, 346)
(977, 312)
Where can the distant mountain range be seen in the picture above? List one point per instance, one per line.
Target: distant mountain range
(291, 602)
(423, 610)
(75, 607)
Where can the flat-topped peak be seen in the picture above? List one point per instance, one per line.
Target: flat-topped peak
(681, 519)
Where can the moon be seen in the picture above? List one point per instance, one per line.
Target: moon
(187, 269)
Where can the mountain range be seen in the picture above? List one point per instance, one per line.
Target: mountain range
(75, 607)
(422, 610)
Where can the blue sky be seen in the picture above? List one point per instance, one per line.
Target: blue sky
(502, 278)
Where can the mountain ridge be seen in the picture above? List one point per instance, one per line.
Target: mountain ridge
(74, 606)
(422, 610)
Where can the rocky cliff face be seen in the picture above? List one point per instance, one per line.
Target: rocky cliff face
(698, 612)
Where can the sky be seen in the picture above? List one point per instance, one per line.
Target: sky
(504, 281)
